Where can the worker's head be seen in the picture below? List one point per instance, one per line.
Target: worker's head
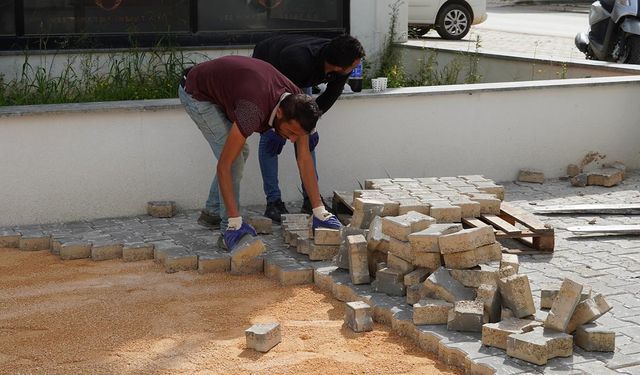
(296, 116)
(342, 55)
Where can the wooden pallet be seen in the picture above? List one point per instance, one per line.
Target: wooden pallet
(514, 222)
(342, 206)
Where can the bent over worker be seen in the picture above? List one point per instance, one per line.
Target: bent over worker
(229, 99)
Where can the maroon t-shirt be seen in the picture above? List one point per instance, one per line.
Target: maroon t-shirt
(248, 89)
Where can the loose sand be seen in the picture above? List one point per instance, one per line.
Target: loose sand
(114, 317)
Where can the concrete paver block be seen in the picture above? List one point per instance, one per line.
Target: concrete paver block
(105, 250)
(326, 236)
(396, 263)
(390, 282)
(358, 316)
(587, 311)
(510, 260)
(506, 272)
(245, 257)
(490, 297)
(75, 250)
(376, 240)
(430, 261)
(263, 337)
(489, 253)
(468, 208)
(516, 295)
(412, 204)
(496, 334)
(431, 311)
(461, 260)
(179, 259)
(415, 293)
(564, 305)
(9, 239)
(475, 277)
(466, 316)
(34, 241)
(594, 338)
(136, 251)
(531, 175)
(466, 239)
(605, 177)
(416, 276)
(427, 240)
(214, 262)
(365, 210)
(304, 246)
(400, 227)
(402, 249)
(549, 292)
(262, 224)
(444, 212)
(441, 285)
(358, 261)
(161, 209)
(573, 170)
(489, 204)
(323, 252)
(490, 187)
(539, 345)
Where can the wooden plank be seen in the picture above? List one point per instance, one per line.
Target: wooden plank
(513, 214)
(606, 209)
(621, 229)
(473, 222)
(501, 224)
(342, 202)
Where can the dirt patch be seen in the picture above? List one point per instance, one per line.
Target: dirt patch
(114, 317)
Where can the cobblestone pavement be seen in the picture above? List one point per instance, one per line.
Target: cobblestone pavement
(609, 265)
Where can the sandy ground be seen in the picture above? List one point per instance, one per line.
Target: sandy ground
(114, 317)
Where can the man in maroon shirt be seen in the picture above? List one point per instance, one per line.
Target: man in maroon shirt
(229, 99)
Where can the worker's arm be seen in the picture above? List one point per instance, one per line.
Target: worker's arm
(331, 93)
(308, 171)
(231, 150)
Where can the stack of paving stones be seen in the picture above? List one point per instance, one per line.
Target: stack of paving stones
(611, 174)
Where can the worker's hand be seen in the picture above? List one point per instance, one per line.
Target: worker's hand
(235, 231)
(324, 219)
(314, 138)
(275, 143)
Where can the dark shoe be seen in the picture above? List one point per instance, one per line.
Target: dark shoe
(275, 209)
(208, 220)
(307, 209)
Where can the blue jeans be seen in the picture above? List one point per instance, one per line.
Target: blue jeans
(269, 168)
(214, 125)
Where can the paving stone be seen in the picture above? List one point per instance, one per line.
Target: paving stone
(263, 337)
(401, 249)
(245, 257)
(427, 240)
(490, 297)
(358, 262)
(441, 285)
(510, 260)
(396, 263)
(605, 177)
(430, 261)
(473, 278)
(516, 295)
(75, 250)
(390, 282)
(414, 293)
(531, 175)
(304, 246)
(106, 250)
(595, 338)
(326, 236)
(496, 334)
(294, 273)
(587, 311)
(444, 212)
(400, 227)
(466, 316)
(342, 258)
(365, 210)
(376, 240)
(461, 260)
(564, 305)
(180, 259)
(213, 262)
(136, 251)
(431, 311)
(161, 209)
(539, 345)
(549, 292)
(358, 316)
(262, 225)
(9, 239)
(489, 187)
(489, 253)
(468, 208)
(489, 204)
(466, 239)
(416, 276)
(323, 252)
(34, 241)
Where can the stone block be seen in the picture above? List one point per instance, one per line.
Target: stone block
(475, 277)
(489, 295)
(444, 212)
(548, 294)
(531, 175)
(573, 170)
(466, 239)
(326, 236)
(412, 204)
(213, 262)
(564, 305)
(506, 272)
(617, 165)
(489, 253)
(401, 249)
(468, 208)
(9, 239)
(304, 246)
(427, 240)
(106, 250)
(466, 316)
(441, 285)
(263, 337)
(137, 251)
(431, 311)
(579, 180)
(396, 263)
(377, 260)
(75, 250)
(390, 282)
(262, 225)
(400, 227)
(358, 262)
(34, 241)
(489, 204)
(342, 258)
(587, 311)
(510, 260)
(605, 177)
(245, 257)
(358, 316)
(594, 338)
(516, 295)
(179, 259)
(414, 293)
(376, 240)
(462, 260)
(496, 334)
(295, 274)
(161, 209)
(489, 187)
(430, 261)
(416, 276)
(323, 252)
(539, 345)
(365, 210)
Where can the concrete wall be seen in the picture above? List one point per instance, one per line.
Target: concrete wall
(63, 163)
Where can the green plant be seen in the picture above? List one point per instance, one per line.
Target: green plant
(390, 64)
(564, 69)
(474, 58)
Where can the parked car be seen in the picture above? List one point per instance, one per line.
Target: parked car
(452, 19)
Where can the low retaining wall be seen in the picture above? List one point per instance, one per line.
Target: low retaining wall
(69, 162)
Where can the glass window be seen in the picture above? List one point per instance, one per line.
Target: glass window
(260, 15)
(105, 16)
(7, 17)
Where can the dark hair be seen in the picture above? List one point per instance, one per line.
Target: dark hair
(302, 108)
(343, 50)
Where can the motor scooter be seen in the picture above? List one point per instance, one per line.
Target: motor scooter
(614, 32)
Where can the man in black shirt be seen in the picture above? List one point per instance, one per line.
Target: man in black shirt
(307, 61)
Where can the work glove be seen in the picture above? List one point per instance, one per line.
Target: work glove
(236, 230)
(275, 143)
(314, 138)
(324, 219)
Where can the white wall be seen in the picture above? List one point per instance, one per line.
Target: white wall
(83, 161)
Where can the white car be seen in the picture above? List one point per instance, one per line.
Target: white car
(452, 19)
